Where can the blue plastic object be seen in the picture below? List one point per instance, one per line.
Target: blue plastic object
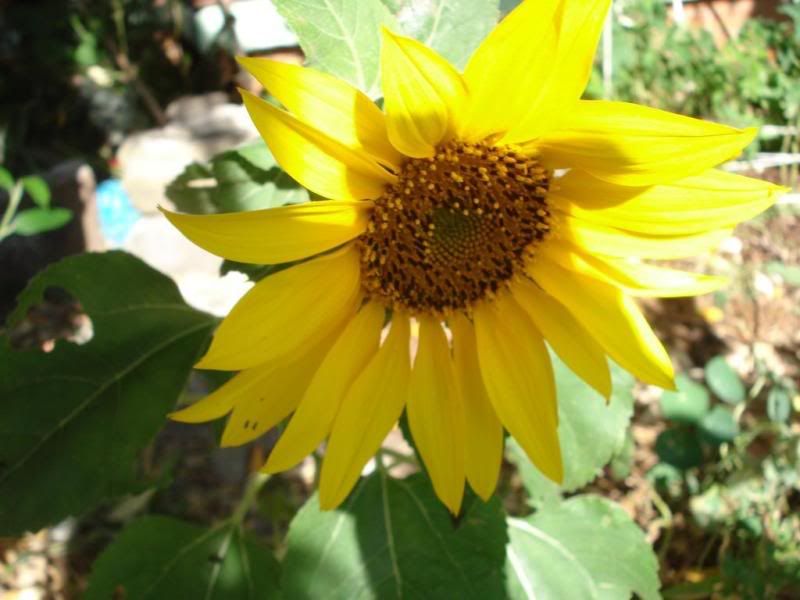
(116, 211)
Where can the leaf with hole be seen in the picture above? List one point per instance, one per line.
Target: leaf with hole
(586, 547)
(158, 557)
(76, 418)
(724, 381)
(394, 539)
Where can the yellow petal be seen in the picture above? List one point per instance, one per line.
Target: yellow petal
(369, 411)
(328, 104)
(287, 311)
(275, 235)
(568, 338)
(712, 200)
(611, 318)
(422, 94)
(505, 74)
(518, 375)
(636, 278)
(634, 145)
(317, 161)
(579, 24)
(344, 362)
(610, 241)
(484, 433)
(436, 416)
(264, 396)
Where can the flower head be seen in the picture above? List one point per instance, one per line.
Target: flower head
(493, 208)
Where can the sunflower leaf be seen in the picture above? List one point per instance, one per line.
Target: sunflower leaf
(76, 417)
(591, 432)
(586, 547)
(159, 557)
(394, 539)
(247, 178)
(453, 28)
(340, 37)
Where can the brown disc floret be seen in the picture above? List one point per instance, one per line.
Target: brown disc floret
(454, 228)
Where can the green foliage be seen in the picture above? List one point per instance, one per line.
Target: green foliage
(688, 404)
(247, 178)
(737, 474)
(341, 37)
(38, 220)
(583, 415)
(75, 418)
(158, 557)
(32, 221)
(6, 179)
(394, 539)
(454, 28)
(589, 538)
(37, 189)
(724, 381)
(751, 80)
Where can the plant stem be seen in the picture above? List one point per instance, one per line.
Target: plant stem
(251, 490)
(13, 203)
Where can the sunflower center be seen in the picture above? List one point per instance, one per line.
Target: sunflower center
(454, 228)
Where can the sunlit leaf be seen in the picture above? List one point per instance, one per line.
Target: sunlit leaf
(719, 425)
(591, 432)
(688, 404)
(74, 419)
(340, 36)
(37, 189)
(247, 178)
(394, 539)
(586, 547)
(724, 381)
(39, 220)
(454, 28)
(159, 557)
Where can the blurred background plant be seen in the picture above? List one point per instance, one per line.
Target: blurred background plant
(140, 96)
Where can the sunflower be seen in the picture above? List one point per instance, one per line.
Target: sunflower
(475, 219)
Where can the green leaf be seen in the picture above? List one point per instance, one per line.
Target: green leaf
(689, 404)
(158, 557)
(454, 28)
(37, 189)
(679, 447)
(244, 179)
(74, 419)
(719, 426)
(6, 180)
(591, 432)
(586, 547)
(40, 220)
(724, 381)
(779, 404)
(340, 36)
(394, 539)
(789, 273)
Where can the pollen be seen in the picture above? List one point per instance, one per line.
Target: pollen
(454, 229)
